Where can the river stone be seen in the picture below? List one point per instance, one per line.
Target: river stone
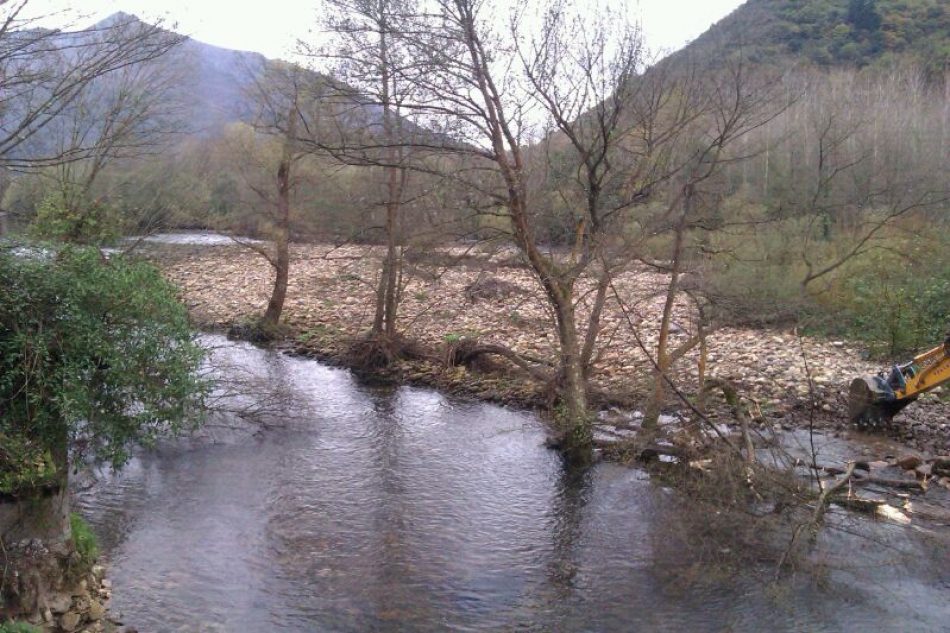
(96, 611)
(69, 621)
(909, 462)
(59, 603)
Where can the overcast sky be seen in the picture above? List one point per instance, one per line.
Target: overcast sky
(272, 27)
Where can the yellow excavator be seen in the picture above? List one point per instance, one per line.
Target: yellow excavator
(875, 400)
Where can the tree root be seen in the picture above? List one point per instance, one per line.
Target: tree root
(467, 352)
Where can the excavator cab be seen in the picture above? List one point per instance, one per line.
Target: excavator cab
(875, 400)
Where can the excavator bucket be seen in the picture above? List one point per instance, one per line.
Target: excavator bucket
(875, 400)
(872, 402)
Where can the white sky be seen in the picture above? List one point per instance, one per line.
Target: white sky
(272, 27)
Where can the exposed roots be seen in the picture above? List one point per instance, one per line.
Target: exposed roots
(257, 331)
(376, 351)
(470, 353)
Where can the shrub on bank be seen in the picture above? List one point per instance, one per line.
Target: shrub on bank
(83, 540)
(894, 298)
(95, 355)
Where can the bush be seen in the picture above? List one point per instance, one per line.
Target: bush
(898, 314)
(95, 356)
(83, 540)
(85, 222)
(896, 308)
(24, 463)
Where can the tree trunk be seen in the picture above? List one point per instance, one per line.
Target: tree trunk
(593, 324)
(652, 414)
(574, 417)
(35, 543)
(275, 306)
(387, 295)
(282, 238)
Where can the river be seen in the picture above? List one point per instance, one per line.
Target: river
(398, 509)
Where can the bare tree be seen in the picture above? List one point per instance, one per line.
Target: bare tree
(44, 72)
(374, 79)
(619, 137)
(284, 98)
(735, 102)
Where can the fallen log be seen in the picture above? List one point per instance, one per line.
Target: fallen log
(465, 352)
(858, 477)
(825, 496)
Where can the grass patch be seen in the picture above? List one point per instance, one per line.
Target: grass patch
(84, 540)
(18, 627)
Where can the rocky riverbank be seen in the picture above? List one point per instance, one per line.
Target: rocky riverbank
(491, 297)
(82, 607)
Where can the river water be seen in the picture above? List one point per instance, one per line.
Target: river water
(398, 509)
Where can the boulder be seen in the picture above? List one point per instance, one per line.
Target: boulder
(59, 602)
(941, 466)
(69, 621)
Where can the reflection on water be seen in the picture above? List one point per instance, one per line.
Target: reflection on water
(401, 510)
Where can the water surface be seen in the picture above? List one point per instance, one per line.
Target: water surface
(368, 509)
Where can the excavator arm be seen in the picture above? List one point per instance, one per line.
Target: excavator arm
(874, 400)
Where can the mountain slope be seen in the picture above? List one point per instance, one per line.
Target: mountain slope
(853, 33)
(214, 84)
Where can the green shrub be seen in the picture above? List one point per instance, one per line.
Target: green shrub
(84, 540)
(18, 627)
(60, 218)
(95, 356)
(895, 308)
(24, 463)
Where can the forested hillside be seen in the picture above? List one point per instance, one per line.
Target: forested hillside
(827, 33)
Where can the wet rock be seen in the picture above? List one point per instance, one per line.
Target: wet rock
(69, 621)
(59, 603)
(909, 462)
(929, 511)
